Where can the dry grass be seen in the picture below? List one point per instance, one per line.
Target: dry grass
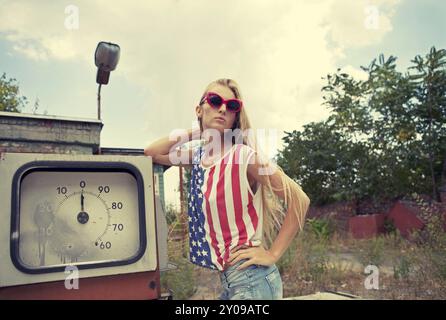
(408, 269)
(412, 268)
(181, 282)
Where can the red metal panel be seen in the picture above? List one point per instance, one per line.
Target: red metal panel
(366, 226)
(136, 286)
(404, 219)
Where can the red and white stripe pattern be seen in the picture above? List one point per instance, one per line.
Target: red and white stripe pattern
(232, 213)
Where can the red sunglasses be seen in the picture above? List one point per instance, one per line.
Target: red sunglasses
(216, 101)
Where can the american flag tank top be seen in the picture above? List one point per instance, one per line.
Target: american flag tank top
(223, 212)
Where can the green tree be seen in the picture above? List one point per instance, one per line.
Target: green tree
(390, 100)
(430, 111)
(326, 164)
(385, 136)
(10, 100)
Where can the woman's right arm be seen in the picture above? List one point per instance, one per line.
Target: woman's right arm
(162, 151)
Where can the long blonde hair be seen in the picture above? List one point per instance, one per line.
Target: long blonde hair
(273, 207)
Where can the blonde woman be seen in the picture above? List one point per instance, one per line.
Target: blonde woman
(243, 210)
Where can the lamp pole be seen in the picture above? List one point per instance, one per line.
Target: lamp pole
(99, 101)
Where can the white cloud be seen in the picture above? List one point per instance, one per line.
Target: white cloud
(31, 50)
(358, 23)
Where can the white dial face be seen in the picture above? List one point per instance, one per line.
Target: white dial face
(71, 218)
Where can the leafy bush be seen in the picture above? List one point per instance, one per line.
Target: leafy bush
(372, 252)
(389, 226)
(321, 228)
(317, 262)
(181, 280)
(432, 234)
(402, 268)
(171, 214)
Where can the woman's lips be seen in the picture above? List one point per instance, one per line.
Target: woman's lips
(220, 119)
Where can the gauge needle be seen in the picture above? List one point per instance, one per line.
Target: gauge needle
(82, 200)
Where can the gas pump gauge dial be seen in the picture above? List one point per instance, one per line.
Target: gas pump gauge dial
(84, 214)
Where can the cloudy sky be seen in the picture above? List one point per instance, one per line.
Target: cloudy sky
(277, 51)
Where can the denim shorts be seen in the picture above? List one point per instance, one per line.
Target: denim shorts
(255, 282)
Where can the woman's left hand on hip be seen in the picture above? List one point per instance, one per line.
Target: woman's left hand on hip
(255, 255)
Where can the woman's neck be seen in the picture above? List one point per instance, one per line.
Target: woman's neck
(215, 147)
